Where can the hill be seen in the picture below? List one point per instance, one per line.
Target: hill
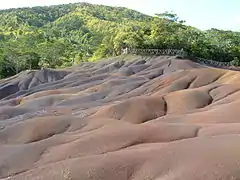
(121, 118)
(63, 35)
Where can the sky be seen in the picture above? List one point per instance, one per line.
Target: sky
(203, 14)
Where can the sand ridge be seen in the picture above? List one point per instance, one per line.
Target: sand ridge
(148, 118)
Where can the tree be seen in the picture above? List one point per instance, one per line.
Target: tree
(59, 36)
(170, 16)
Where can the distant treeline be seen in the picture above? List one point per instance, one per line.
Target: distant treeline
(63, 35)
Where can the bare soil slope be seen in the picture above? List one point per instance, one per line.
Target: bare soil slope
(150, 118)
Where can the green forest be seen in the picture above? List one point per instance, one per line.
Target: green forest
(64, 35)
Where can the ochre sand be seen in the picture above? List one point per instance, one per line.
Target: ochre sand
(151, 118)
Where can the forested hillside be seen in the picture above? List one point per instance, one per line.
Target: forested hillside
(63, 35)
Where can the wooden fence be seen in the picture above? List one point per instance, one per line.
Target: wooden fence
(181, 54)
(165, 52)
(211, 62)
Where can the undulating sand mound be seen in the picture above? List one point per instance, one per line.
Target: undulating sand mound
(147, 118)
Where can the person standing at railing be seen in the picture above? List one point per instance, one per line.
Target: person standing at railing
(125, 50)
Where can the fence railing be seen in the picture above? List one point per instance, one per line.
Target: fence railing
(211, 62)
(179, 53)
(168, 52)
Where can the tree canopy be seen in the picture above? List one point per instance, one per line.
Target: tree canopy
(63, 35)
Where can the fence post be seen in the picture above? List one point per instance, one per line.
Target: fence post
(181, 54)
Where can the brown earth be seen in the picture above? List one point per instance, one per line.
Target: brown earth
(157, 118)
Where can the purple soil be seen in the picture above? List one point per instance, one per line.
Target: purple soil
(158, 118)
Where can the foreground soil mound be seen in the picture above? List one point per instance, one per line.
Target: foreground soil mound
(147, 118)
